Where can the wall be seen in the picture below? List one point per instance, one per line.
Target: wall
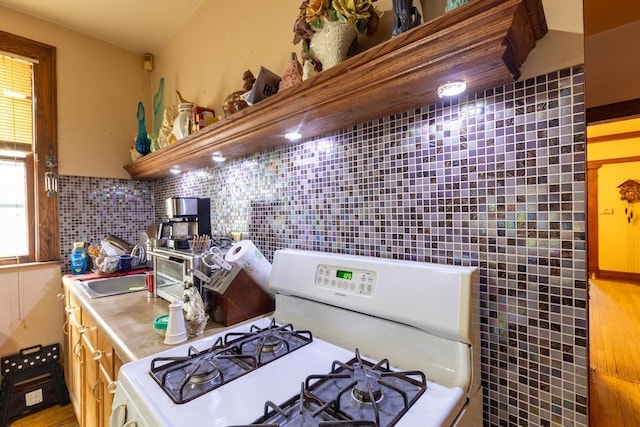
(190, 61)
(618, 221)
(611, 31)
(31, 314)
(563, 45)
(99, 86)
(496, 180)
(612, 61)
(92, 208)
(618, 236)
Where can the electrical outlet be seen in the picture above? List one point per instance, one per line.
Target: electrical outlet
(606, 211)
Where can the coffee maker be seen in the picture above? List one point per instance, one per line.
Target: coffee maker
(186, 217)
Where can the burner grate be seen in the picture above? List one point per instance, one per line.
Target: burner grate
(185, 378)
(356, 393)
(269, 343)
(306, 410)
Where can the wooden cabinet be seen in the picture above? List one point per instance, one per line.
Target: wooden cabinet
(91, 365)
(72, 344)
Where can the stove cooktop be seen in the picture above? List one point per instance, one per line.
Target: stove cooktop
(357, 392)
(184, 378)
(246, 399)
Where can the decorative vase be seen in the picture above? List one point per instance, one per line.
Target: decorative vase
(331, 44)
(452, 4)
(142, 140)
(182, 125)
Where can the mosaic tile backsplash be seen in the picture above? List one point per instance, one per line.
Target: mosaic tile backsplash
(92, 208)
(496, 180)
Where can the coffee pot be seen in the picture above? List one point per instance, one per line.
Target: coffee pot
(186, 217)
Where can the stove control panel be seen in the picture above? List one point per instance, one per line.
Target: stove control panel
(346, 280)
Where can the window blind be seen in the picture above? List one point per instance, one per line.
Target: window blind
(16, 103)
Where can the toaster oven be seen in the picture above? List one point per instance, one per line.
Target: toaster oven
(230, 296)
(173, 269)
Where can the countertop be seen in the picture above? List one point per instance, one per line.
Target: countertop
(127, 320)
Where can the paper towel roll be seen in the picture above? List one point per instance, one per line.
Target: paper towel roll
(250, 259)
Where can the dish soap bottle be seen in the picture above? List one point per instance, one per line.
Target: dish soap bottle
(78, 259)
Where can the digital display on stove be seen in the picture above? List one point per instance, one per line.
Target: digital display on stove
(346, 275)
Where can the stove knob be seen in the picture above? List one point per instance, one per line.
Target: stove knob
(118, 416)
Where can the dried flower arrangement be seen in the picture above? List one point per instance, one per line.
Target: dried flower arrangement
(314, 13)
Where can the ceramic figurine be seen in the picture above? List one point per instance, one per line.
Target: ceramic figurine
(292, 74)
(405, 16)
(133, 152)
(308, 70)
(165, 134)
(235, 102)
(181, 99)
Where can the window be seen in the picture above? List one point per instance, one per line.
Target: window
(28, 151)
(13, 209)
(16, 139)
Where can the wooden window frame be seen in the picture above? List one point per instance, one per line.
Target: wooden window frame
(43, 229)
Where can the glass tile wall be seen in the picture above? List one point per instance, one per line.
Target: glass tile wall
(496, 180)
(92, 208)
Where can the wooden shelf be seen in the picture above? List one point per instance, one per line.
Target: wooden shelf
(483, 43)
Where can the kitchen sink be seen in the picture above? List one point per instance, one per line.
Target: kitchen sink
(104, 287)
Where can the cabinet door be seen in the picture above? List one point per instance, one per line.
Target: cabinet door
(91, 404)
(106, 388)
(73, 352)
(99, 373)
(67, 343)
(106, 354)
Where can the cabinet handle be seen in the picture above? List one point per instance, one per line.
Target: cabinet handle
(70, 308)
(111, 384)
(95, 389)
(64, 327)
(97, 354)
(77, 350)
(82, 329)
(60, 297)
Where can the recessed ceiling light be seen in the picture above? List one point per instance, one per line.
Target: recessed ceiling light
(175, 170)
(217, 157)
(293, 136)
(451, 89)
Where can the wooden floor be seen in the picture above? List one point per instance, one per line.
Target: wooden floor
(614, 350)
(54, 416)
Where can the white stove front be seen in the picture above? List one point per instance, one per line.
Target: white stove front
(242, 401)
(419, 316)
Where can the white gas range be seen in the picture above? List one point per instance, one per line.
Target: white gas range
(354, 341)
